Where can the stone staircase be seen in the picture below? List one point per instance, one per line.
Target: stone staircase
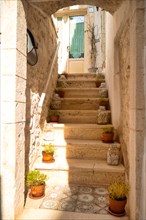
(80, 156)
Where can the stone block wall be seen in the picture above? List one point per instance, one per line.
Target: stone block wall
(41, 26)
(125, 78)
(13, 76)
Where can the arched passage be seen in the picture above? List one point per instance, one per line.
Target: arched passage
(50, 7)
(14, 49)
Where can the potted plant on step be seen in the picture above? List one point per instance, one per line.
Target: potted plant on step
(36, 181)
(108, 135)
(60, 91)
(53, 116)
(100, 78)
(104, 102)
(48, 153)
(118, 191)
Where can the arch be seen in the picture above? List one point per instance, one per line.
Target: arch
(50, 7)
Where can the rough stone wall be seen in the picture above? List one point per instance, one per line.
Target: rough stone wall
(124, 75)
(125, 33)
(99, 20)
(139, 106)
(44, 33)
(13, 76)
(49, 7)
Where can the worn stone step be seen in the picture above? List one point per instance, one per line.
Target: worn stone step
(85, 93)
(77, 83)
(83, 103)
(77, 131)
(80, 76)
(82, 172)
(34, 212)
(82, 116)
(80, 149)
(85, 149)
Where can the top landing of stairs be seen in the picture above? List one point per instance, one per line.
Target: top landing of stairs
(81, 76)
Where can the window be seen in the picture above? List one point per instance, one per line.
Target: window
(76, 37)
(32, 57)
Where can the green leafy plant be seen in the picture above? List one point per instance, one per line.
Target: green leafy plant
(100, 77)
(49, 148)
(118, 190)
(59, 88)
(108, 130)
(35, 178)
(53, 112)
(93, 39)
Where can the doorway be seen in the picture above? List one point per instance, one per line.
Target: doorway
(75, 62)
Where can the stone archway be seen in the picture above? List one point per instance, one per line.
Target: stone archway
(50, 7)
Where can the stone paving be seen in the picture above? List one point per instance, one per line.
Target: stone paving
(75, 198)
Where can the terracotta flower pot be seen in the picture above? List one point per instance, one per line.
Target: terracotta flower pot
(98, 84)
(37, 191)
(117, 206)
(107, 137)
(53, 118)
(47, 157)
(61, 93)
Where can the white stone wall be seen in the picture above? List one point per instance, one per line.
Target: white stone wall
(13, 84)
(22, 86)
(124, 74)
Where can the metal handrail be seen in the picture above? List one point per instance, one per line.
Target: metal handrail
(40, 104)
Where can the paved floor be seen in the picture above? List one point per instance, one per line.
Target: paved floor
(69, 202)
(74, 198)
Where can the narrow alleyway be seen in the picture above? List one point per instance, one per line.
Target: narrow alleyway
(79, 176)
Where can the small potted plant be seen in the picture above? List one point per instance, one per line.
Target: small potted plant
(60, 91)
(104, 102)
(53, 116)
(48, 153)
(118, 191)
(36, 181)
(100, 78)
(108, 135)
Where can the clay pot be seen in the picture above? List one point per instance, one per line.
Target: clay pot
(105, 103)
(98, 83)
(47, 157)
(107, 137)
(37, 191)
(117, 206)
(53, 118)
(61, 93)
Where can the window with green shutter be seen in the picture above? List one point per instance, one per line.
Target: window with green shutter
(76, 37)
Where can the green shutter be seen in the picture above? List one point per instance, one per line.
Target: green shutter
(76, 37)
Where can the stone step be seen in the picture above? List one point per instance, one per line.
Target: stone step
(80, 149)
(85, 93)
(80, 76)
(82, 103)
(77, 131)
(82, 172)
(82, 116)
(85, 83)
(34, 212)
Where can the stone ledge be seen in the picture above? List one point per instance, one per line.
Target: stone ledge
(43, 214)
(80, 165)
